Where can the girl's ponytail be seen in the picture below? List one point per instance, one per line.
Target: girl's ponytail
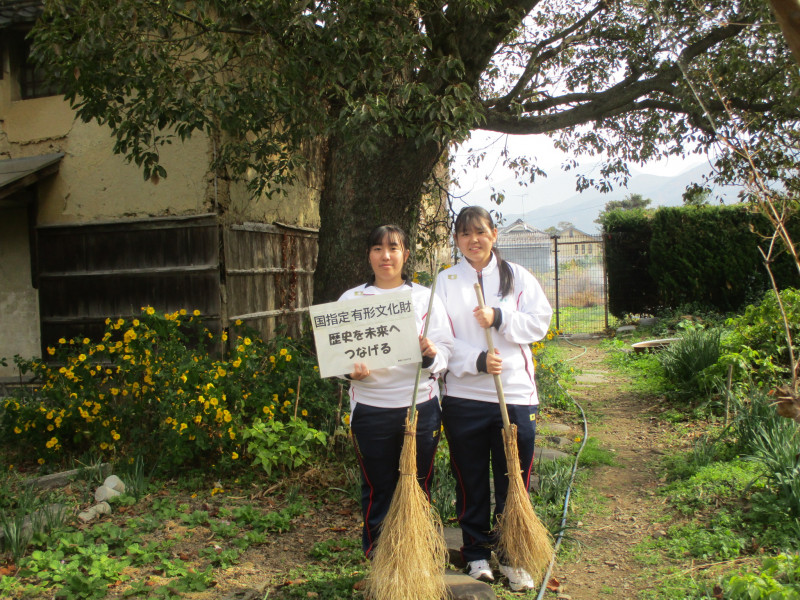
(506, 274)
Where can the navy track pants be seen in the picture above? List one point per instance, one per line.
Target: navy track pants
(474, 431)
(378, 435)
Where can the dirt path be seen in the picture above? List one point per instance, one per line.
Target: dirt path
(604, 564)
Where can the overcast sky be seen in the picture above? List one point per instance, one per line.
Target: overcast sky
(474, 184)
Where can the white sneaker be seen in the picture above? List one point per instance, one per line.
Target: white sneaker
(480, 570)
(519, 579)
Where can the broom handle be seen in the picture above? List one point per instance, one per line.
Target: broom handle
(413, 410)
(498, 384)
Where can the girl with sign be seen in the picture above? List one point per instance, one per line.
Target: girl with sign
(517, 313)
(380, 398)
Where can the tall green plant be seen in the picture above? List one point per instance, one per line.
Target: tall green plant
(757, 345)
(772, 441)
(686, 360)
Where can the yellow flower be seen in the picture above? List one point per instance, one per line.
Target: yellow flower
(196, 313)
(183, 426)
(114, 435)
(103, 446)
(61, 341)
(51, 350)
(150, 310)
(40, 461)
(247, 341)
(272, 359)
(304, 412)
(284, 351)
(237, 322)
(288, 357)
(51, 442)
(81, 357)
(198, 418)
(18, 430)
(183, 312)
(237, 363)
(234, 456)
(224, 336)
(136, 322)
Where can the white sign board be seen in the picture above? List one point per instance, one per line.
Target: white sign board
(379, 331)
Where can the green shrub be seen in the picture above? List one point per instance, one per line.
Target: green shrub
(155, 387)
(685, 361)
(778, 579)
(551, 372)
(757, 346)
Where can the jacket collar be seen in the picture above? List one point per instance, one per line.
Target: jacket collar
(487, 270)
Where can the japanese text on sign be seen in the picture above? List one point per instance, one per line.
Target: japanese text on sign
(379, 331)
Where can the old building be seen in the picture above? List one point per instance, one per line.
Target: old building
(84, 237)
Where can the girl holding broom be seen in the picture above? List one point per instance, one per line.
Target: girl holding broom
(517, 313)
(380, 398)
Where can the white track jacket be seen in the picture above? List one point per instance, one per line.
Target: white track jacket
(526, 319)
(392, 387)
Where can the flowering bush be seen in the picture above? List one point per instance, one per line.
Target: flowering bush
(550, 371)
(156, 387)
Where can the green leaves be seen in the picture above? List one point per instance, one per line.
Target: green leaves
(282, 446)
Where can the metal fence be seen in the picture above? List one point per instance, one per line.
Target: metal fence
(572, 272)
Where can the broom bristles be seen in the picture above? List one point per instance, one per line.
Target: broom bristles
(411, 556)
(523, 541)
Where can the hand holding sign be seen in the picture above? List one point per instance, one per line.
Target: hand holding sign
(374, 331)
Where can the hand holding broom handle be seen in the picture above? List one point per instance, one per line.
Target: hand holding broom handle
(498, 384)
(413, 409)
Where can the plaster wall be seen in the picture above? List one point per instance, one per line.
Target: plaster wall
(19, 304)
(93, 183)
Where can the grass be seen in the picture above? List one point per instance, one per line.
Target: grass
(170, 539)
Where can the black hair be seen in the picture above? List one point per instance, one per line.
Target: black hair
(395, 234)
(469, 217)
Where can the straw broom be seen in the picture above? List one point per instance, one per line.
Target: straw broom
(411, 556)
(523, 542)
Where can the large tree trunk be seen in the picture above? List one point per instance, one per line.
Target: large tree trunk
(360, 193)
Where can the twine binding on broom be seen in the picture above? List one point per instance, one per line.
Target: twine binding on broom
(411, 556)
(410, 559)
(523, 541)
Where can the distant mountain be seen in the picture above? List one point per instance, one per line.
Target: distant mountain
(581, 209)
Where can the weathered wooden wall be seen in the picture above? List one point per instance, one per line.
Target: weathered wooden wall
(261, 274)
(269, 271)
(88, 272)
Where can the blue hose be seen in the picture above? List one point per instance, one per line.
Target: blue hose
(563, 525)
